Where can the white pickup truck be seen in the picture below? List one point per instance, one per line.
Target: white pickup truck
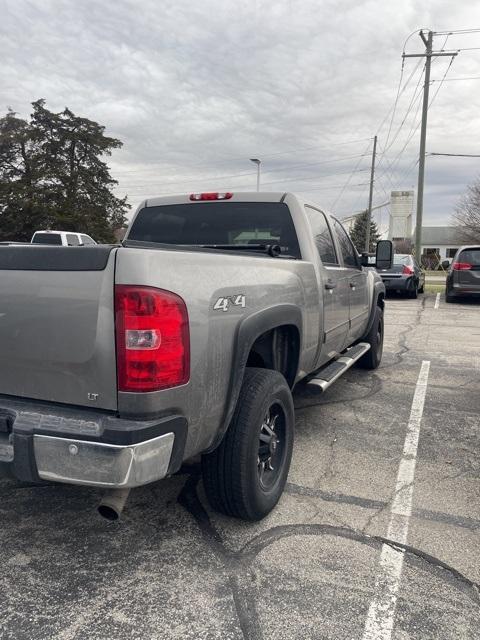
(62, 238)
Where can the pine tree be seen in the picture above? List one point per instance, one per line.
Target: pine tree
(358, 233)
(52, 176)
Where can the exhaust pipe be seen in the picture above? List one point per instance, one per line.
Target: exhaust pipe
(112, 503)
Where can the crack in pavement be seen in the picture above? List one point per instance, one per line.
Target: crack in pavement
(368, 503)
(403, 336)
(237, 564)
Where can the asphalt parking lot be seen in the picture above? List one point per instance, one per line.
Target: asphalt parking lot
(377, 535)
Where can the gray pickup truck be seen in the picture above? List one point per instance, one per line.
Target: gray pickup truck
(119, 363)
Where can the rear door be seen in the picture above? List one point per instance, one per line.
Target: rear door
(357, 284)
(334, 288)
(57, 337)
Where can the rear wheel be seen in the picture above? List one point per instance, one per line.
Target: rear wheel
(374, 337)
(412, 292)
(245, 476)
(422, 289)
(449, 297)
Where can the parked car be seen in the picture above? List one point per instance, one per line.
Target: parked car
(463, 276)
(62, 238)
(404, 276)
(124, 362)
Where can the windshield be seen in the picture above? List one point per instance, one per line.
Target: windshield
(213, 223)
(47, 238)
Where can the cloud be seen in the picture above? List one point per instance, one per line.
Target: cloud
(196, 89)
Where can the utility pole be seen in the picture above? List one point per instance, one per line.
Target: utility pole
(370, 197)
(428, 55)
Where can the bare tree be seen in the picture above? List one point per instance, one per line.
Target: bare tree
(467, 214)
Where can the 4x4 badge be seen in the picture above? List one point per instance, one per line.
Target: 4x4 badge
(223, 304)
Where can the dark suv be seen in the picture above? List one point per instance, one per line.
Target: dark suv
(463, 277)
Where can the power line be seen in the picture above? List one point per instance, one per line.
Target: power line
(411, 136)
(399, 93)
(349, 178)
(152, 166)
(359, 184)
(457, 31)
(281, 181)
(196, 179)
(457, 79)
(456, 155)
(415, 97)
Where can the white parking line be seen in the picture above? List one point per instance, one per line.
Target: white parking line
(381, 614)
(437, 301)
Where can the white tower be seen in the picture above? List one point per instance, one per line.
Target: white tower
(401, 210)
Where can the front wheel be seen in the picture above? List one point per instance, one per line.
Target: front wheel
(245, 476)
(374, 337)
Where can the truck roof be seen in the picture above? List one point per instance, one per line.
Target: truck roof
(239, 196)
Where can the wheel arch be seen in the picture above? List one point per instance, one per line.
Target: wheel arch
(271, 339)
(378, 300)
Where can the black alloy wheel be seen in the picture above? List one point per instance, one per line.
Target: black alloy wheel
(245, 475)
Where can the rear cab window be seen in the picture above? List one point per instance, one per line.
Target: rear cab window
(218, 223)
(47, 238)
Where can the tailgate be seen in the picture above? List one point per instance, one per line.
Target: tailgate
(57, 340)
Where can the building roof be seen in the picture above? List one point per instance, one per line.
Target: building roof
(437, 236)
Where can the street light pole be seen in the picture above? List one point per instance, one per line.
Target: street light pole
(258, 163)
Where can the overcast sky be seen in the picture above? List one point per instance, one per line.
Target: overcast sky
(195, 89)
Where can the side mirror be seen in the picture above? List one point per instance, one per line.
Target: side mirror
(384, 254)
(446, 264)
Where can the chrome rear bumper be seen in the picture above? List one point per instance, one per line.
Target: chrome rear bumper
(102, 465)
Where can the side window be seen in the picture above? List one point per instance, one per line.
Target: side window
(72, 240)
(349, 253)
(86, 240)
(322, 236)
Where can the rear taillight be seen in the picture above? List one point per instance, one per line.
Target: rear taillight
(407, 271)
(461, 266)
(211, 196)
(153, 340)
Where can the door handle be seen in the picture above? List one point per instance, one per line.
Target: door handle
(330, 285)
(352, 285)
